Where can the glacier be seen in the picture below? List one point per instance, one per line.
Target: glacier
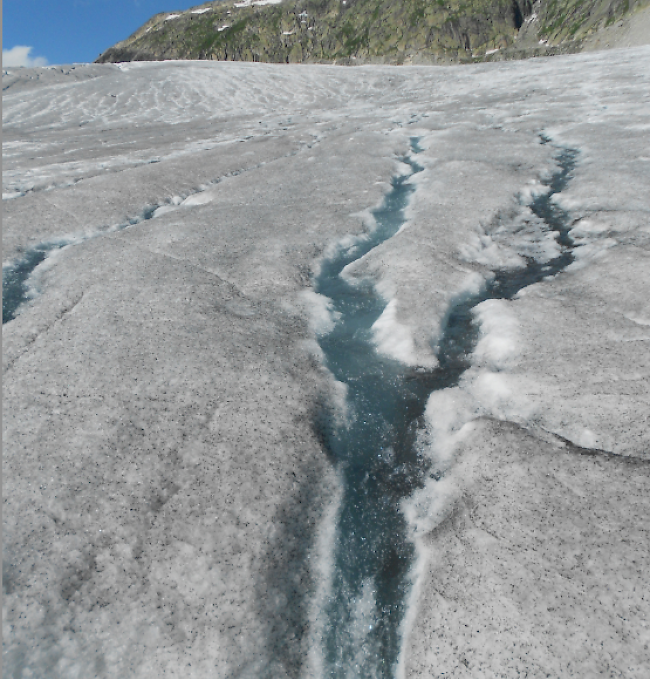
(170, 507)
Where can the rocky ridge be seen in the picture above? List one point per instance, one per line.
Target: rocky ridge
(373, 31)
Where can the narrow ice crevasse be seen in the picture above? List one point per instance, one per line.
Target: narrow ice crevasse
(17, 287)
(378, 451)
(17, 274)
(374, 452)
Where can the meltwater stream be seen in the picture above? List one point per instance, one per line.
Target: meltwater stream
(16, 275)
(375, 451)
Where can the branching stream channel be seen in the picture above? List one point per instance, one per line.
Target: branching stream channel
(376, 450)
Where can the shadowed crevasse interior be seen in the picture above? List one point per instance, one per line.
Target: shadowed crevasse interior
(375, 450)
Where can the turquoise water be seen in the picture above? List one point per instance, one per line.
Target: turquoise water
(376, 454)
(15, 290)
(377, 459)
(14, 279)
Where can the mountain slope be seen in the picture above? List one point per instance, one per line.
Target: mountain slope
(353, 31)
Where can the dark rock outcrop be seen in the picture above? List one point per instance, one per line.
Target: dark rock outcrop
(367, 31)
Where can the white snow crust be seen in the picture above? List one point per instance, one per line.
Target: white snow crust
(392, 337)
(168, 504)
(257, 3)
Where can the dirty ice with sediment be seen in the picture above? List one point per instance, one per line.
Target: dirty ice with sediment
(174, 483)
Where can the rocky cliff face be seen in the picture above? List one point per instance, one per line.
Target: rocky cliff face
(361, 31)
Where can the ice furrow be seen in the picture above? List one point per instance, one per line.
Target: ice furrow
(17, 282)
(377, 449)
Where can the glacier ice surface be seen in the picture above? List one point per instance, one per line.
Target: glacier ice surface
(165, 490)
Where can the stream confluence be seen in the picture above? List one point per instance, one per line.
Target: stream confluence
(376, 450)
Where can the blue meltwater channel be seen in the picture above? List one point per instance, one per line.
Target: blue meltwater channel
(375, 450)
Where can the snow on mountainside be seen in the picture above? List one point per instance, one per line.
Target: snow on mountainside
(383, 31)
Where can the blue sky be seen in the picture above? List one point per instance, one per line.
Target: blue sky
(67, 31)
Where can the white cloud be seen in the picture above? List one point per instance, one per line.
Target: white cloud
(20, 56)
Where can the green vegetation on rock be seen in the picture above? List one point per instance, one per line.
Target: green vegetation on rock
(366, 31)
(574, 19)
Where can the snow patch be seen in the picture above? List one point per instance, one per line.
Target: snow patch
(498, 347)
(201, 198)
(533, 190)
(322, 317)
(510, 239)
(163, 209)
(486, 389)
(429, 506)
(498, 395)
(393, 338)
(448, 413)
(482, 249)
(350, 244)
(402, 169)
(259, 3)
